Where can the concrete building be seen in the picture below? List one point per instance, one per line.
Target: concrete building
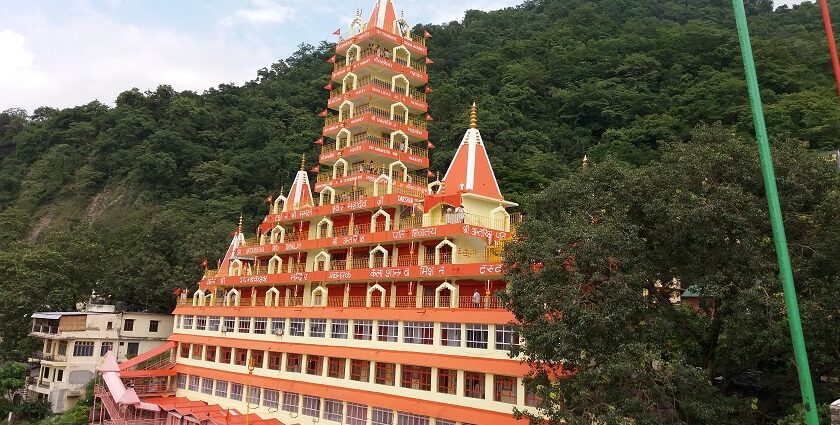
(74, 343)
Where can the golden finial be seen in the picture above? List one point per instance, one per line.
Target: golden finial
(473, 116)
(585, 162)
(302, 161)
(437, 175)
(240, 224)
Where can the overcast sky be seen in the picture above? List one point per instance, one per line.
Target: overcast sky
(63, 53)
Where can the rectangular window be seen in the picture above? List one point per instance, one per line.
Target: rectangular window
(236, 391)
(230, 324)
(271, 398)
(227, 355)
(62, 348)
(474, 385)
(360, 370)
(259, 357)
(339, 329)
(385, 373)
(254, 395)
(504, 389)
(312, 406)
(200, 323)
(314, 365)
(505, 337)
(213, 323)
(333, 410)
(291, 401)
(241, 357)
(335, 368)
(244, 325)
(293, 362)
(532, 399)
(260, 325)
(418, 333)
(356, 414)
(59, 375)
(196, 352)
(318, 328)
(439, 421)
(128, 325)
(207, 386)
(275, 359)
(188, 322)
(182, 381)
(404, 418)
(387, 330)
(83, 348)
(177, 322)
(477, 336)
(297, 327)
(362, 329)
(105, 347)
(450, 334)
(222, 389)
(210, 353)
(153, 325)
(381, 416)
(133, 349)
(278, 325)
(447, 381)
(416, 377)
(194, 382)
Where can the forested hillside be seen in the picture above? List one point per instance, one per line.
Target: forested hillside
(127, 199)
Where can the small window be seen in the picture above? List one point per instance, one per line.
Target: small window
(318, 328)
(59, 375)
(244, 325)
(385, 373)
(128, 325)
(477, 336)
(314, 364)
(230, 324)
(532, 399)
(356, 414)
(213, 323)
(109, 326)
(237, 391)
(362, 329)
(177, 322)
(275, 359)
(153, 325)
(278, 325)
(185, 350)
(222, 389)
(418, 333)
(290, 401)
(293, 362)
(258, 356)
(200, 323)
(360, 370)
(439, 421)
(339, 329)
(240, 357)
(447, 381)
(297, 327)
(416, 377)
(311, 406)
(83, 348)
(46, 373)
(194, 382)
(381, 416)
(207, 385)
(188, 322)
(271, 398)
(333, 410)
(182, 381)
(505, 337)
(335, 368)
(106, 347)
(210, 353)
(387, 330)
(450, 334)
(227, 355)
(474, 385)
(133, 349)
(405, 418)
(504, 389)
(254, 395)
(260, 325)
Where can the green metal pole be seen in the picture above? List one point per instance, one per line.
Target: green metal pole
(799, 353)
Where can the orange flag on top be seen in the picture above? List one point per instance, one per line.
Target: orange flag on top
(428, 90)
(429, 145)
(429, 61)
(324, 113)
(331, 59)
(315, 169)
(337, 32)
(429, 174)
(426, 34)
(320, 141)
(429, 118)
(328, 86)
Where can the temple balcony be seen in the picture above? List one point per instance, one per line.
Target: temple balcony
(397, 90)
(414, 42)
(364, 117)
(371, 62)
(364, 146)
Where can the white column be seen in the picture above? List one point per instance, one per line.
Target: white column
(488, 386)
(436, 335)
(520, 392)
(434, 379)
(393, 298)
(459, 389)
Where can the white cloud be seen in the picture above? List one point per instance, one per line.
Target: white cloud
(16, 57)
(263, 12)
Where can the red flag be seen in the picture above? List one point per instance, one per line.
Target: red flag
(328, 86)
(429, 145)
(426, 34)
(267, 199)
(428, 90)
(429, 174)
(320, 141)
(315, 169)
(429, 61)
(337, 32)
(429, 117)
(324, 113)
(204, 263)
(331, 59)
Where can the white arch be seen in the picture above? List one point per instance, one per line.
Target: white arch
(350, 112)
(235, 268)
(329, 230)
(349, 135)
(398, 164)
(505, 225)
(404, 146)
(345, 168)
(394, 112)
(442, 286)
(275, 265)
(407, 54)
(277, 207)
(372, 255)
(330, 191)
(394, 83)
(233, 293)
(272, 297)
(435, 184)
(440, 245)
(322, 293)
(326, 257)
(388, 182)
(198, 298)
(356, 25)
(358, 54)
(369, 295)
(353, 84)
(278, 230)
(377, 214)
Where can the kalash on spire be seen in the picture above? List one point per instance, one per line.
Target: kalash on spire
(373, 301)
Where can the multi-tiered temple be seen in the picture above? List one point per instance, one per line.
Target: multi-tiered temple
(366, 299)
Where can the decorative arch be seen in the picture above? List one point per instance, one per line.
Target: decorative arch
(377, 214)
(434, 185)
(236, 268)
(328, 190)
(278, 234)
(347, 106)
(399, 164)
(354, 81)
(445, 286)
(232, 298)
(277, 207)
(401, 145)
(500, 213)
(354, 53)
(395, 85)
(445, 242)
(388, 184)
(345, 168)
(198, 298)
(398, 58)
(404, 108)
(356, 25)
(319, 296)
(275, 265)
(327, 232)
(369, 295)
(372, 256)
(272, 297)
(343, 132)
(325, 257)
